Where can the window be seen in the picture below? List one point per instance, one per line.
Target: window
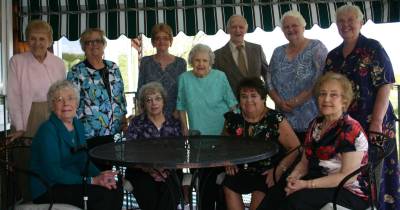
(5, 54)
(121, 52)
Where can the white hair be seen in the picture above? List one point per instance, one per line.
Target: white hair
(228, 24)
(201, 48)
(295, 14)
(60, 86)
(350, 8)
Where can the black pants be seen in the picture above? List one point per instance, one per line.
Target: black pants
(308, 199)
(100, 198)
(211, 194)
(96, 141)
(152, 195)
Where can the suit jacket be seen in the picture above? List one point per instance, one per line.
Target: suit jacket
(257, 65)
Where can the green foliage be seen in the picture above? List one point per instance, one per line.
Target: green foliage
(123, 67)
(71, 59)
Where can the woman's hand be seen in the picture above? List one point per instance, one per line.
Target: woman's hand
(106, 179)
(159, 175)
(293, 103)
(124, 124)
(183, 119)
(294, 185)
(231, 170)
(270, 177)
(374, 126)
(284, 106)
(15, 135)
(185, 131)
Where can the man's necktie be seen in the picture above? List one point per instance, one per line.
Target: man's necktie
(241, 60)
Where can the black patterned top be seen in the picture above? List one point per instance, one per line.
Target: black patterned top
(267, 127)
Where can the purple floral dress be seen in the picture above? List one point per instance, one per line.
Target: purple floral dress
(141, 127)
(368, 67)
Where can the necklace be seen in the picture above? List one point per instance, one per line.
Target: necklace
(253, 124)
(325, 125)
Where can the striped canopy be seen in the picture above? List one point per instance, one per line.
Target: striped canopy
(133, 17)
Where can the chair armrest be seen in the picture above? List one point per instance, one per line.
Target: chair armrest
(343, 182)
(10, 166)
(298, 158)
(383, 146)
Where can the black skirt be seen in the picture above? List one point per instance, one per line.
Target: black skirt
(245, 182)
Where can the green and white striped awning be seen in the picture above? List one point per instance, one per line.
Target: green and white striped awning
(132, 17)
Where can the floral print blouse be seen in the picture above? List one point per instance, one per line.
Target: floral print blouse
(100, 108)
(267, 127)
(323, 150)
(141, 127)
(368, 67)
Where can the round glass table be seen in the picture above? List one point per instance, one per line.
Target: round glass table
(185, 152)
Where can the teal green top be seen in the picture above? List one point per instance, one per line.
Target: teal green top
(205, 100)
(52, 156)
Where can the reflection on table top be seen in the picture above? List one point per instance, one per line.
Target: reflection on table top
(186, 152)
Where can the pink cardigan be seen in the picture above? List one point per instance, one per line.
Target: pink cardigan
(28, 81)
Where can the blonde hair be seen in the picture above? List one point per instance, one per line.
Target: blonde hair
(161, 27)
(295, 14)
(39, 26)
(350, 8)
(344, 83)
(85, 35)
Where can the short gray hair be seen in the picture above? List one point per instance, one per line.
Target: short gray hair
(350, 8)
(59, 86)
(151, 88)
(295, 14)
(228, 24)
(201, 48)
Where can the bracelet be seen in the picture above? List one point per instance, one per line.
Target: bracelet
(312, 183)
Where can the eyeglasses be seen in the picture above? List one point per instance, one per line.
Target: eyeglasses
(63, 100)
(93, 42)
(347, 20)
(149, 100)
(162, 38)
(331, 95)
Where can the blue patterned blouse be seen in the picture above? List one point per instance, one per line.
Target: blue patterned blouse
(150, 71)
(141, 127)
(100, 114)
(291, 77)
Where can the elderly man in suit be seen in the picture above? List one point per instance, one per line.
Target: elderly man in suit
(238, 58)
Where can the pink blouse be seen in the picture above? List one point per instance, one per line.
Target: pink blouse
(28, 81)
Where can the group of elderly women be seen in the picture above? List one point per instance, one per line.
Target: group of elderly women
(326, 101)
